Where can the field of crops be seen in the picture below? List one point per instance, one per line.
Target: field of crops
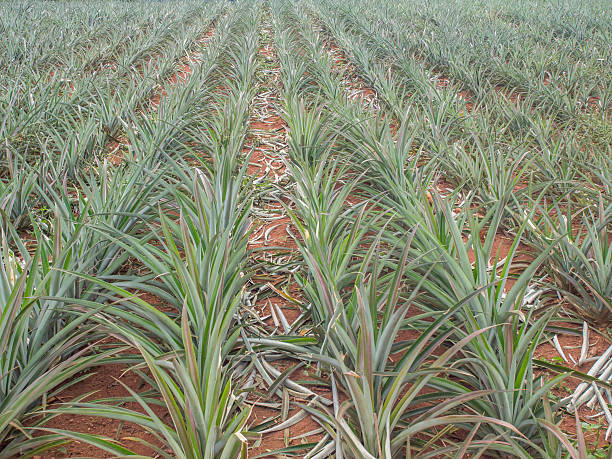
(316, 228)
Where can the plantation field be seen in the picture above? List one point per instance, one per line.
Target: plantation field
(325, 228)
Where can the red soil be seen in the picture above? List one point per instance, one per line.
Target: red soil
(264, 161)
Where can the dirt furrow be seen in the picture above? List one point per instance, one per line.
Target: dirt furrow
(274, 248)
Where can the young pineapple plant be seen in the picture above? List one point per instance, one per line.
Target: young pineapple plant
(580, 264)
(44, 339)
(16, 191)
(498, 362)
